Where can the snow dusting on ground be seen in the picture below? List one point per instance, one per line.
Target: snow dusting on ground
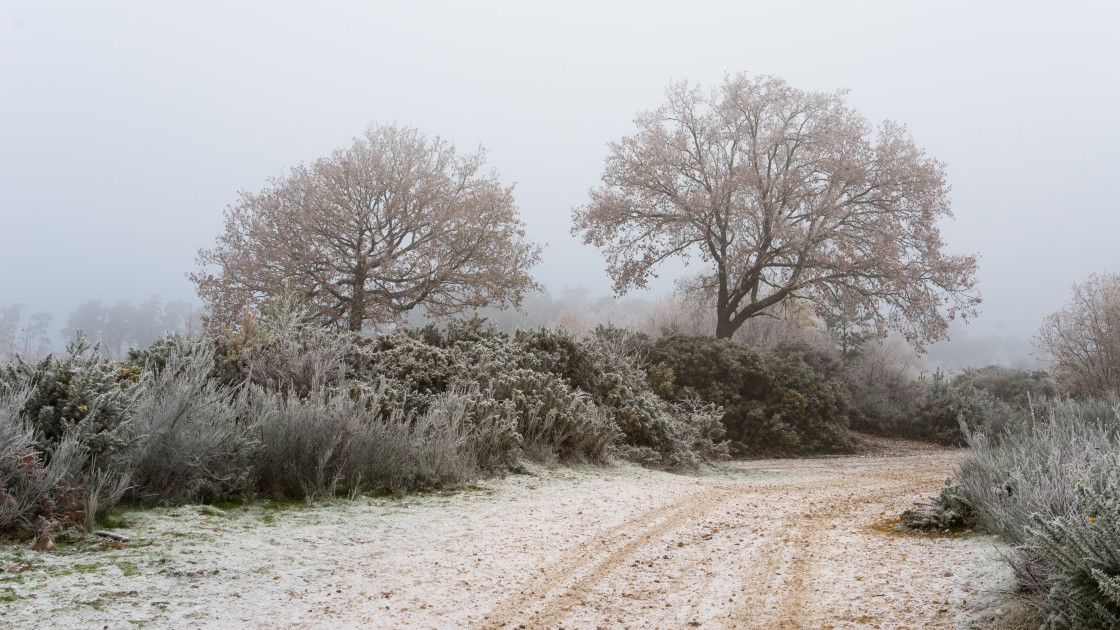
(802, 543)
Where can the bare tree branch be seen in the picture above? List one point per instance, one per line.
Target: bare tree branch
(393, 222)
(784, 193)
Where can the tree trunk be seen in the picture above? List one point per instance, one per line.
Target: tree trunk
(358, 305)
(724, 326)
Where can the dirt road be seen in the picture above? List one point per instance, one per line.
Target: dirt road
(763, 544)
(807, 547)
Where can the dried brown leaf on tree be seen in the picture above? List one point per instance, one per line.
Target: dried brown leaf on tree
(394, 222)
(781, 194)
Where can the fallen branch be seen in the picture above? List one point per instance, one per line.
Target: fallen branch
(113, 535)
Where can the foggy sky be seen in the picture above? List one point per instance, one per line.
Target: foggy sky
(126, 128)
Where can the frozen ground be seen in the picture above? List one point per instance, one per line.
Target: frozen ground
(764, 544)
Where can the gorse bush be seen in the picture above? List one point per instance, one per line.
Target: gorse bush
(83, 395)
(1018, 388)
(276, 405)
(774, 401)
(47, 484)
(75, 412)
(577, 397)
(607, 366)
(1082, 556)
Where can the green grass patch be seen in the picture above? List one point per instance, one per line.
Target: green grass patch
(128, 569)
(114, 520)
(233, 504)
(80, 567)
(210, 510)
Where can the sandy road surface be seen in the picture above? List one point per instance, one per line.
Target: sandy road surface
(763, 544)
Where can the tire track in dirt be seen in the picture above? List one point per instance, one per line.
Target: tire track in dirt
(806, 543)
(760, 581)
(774, 600)
(759, 544)
(774, 571)
(576, 578)
(794, 604)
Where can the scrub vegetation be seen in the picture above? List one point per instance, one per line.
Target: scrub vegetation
(823, 275)
(1044, 475)
(276, 406)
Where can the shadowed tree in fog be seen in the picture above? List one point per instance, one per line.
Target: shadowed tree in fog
(123, 326)
(394, 222)
(29, 340)
(781, 193)
(1083, 339)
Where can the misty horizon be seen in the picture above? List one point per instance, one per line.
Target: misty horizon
(127, 130)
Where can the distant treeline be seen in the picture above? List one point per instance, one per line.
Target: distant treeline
(125, 325)
(118, 327)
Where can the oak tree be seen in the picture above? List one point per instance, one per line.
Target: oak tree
(1083, 339)
(394, 222)
(782, 194)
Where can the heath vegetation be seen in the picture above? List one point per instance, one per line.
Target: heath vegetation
(823, 274)
(1043, 471)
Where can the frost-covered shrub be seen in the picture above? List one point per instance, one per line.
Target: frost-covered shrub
(944, 410)
(934, 407)
(411, 370)
(280, 347)
(75, 412)
(193, 434)
(442, 446)
(1081, 554)
(574, 397)
(327, 443)
(552, 419)
(1046, 484)
(155, 356)
(814, 399)
(1018, 388)
(605, 366)
(774, 402)
(235, 342)
(83, 395)
(1033, 465)
(22, 479)
(698, 429)
(302, 450)
(297, 355)
(274, 404)
(45, 485)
